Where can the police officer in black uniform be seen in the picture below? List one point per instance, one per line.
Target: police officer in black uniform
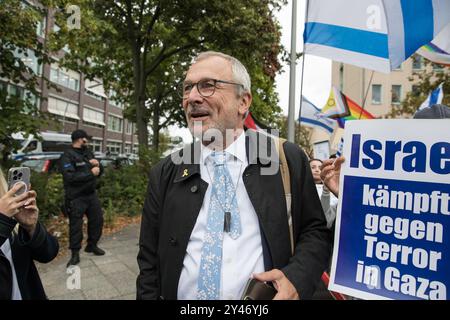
(80, 172)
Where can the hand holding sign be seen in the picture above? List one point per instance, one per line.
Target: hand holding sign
(331, 169)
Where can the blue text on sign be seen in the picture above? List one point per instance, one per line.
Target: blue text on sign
(415, 155)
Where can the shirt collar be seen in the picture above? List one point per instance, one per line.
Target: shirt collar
(236, 149)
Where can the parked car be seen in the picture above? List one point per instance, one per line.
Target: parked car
(42, 162)
(51, 142)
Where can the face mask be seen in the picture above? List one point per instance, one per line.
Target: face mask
(84, 146)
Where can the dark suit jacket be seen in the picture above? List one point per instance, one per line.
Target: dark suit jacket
(174, 199)
(42, 247)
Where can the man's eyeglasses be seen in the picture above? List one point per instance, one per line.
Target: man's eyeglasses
(205, 88)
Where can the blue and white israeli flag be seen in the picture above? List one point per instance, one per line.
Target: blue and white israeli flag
(373, 34)
(311, 116)
(435, 97)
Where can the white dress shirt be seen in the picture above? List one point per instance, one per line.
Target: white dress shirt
(6, 249)
(240, 257)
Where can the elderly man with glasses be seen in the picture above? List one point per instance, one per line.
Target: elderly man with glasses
(213, 217)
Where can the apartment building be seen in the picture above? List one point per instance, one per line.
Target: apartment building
(79, 103)
(377, 92)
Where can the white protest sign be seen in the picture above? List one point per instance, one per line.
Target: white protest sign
(393, 222)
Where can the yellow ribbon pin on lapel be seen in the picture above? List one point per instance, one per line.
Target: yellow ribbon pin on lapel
(185, 173)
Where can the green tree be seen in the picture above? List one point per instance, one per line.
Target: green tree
(19, 108)
(424, 82)
(141, 49)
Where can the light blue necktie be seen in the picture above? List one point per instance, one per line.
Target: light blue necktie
(223, 199)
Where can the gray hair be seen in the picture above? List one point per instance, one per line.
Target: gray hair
(239, 72)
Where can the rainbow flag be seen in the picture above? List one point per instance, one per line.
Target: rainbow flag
(438, 50)
(435, 54)
(342, 108)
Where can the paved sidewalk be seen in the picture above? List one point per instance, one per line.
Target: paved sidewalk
(108, 277)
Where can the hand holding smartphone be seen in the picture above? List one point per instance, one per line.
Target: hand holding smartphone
(17, 196)
(19, 175)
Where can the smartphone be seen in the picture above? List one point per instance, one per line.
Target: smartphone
(19, 175)
(258, 290)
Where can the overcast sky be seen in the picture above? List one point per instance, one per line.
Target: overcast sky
(317, 77)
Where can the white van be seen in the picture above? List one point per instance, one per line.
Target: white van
(51, 142)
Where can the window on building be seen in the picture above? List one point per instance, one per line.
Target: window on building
(113, 100)
(29, 58)
(396, 94)
(136, 149)
(35, 100)
(129, 128)
(115, 124)
(19, 92)
(417, 62)
(117, 104)
(96, 145)
(63, 108)
(128, 148)
(376, 94)
(114, 147)
(40, 27)
(93, 117)
(64, 77)
(94, 89)
(14, 91)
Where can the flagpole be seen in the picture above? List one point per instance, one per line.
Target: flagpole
(303, 68)
(293, 63)
(365, 96)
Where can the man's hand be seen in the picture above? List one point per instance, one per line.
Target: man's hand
(331, 169)
(95, 171)
(94, 163)
(286, 290)
(28, 215)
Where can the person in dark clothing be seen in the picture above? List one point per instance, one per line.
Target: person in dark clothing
(22, 239)
(80, 172)
(436, 111)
